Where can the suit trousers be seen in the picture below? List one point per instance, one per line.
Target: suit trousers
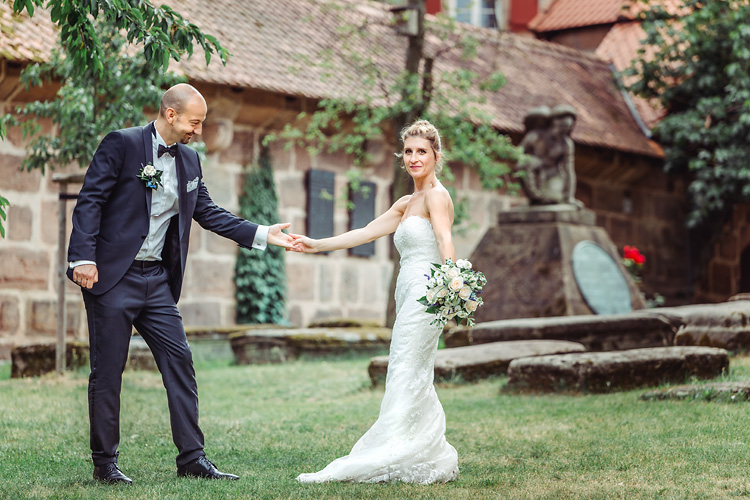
(142, 298)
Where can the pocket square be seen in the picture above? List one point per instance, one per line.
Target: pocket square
(192, 185)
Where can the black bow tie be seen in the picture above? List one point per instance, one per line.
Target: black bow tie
(172, 150)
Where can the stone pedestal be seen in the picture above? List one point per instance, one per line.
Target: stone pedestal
(527, 259)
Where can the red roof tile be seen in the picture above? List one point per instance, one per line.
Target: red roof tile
(619, 47)
(271, 47)
(25, 39)
(566, 14)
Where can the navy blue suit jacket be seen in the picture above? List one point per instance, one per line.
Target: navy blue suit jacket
(111, 217)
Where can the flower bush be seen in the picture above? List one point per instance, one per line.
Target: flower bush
(633, 261)
(453, 291)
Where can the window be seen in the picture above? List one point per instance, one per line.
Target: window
(484, 13)
(320, 203)
(363, 212)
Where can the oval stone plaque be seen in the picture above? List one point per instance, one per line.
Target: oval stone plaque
(600, 280)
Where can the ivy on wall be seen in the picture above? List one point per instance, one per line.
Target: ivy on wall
(260, 276)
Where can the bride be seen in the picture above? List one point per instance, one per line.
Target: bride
(407, 442)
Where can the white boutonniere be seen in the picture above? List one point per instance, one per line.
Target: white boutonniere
(150, 176)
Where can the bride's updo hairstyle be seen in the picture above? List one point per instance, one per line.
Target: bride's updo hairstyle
(424, 130)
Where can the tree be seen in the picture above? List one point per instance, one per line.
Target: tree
(88, 106)
(697, 66)
(260, 277)
(163, 33)
(385, 103)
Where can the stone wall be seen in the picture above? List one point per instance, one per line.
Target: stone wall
(319, 286)
(640, 205)
(727, 272)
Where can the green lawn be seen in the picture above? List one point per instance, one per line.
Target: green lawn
(269, 423)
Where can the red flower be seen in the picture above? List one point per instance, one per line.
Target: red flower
(632, 253)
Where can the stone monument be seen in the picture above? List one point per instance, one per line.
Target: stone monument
(549, 258)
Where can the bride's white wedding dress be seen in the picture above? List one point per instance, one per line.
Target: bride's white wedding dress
(407, 442)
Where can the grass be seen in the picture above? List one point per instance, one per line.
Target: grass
(269, 423)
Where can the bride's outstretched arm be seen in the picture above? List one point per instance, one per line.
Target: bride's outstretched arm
(440, 207)
(385, 224)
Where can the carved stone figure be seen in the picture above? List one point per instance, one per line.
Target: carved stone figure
(549, 170)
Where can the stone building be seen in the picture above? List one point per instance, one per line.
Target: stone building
(619, 168)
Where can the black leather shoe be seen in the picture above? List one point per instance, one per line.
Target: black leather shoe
(110, 473)
(203, 467)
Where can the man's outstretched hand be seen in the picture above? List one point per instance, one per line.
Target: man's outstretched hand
(279, 238)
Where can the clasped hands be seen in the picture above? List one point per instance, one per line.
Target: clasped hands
(291, 242)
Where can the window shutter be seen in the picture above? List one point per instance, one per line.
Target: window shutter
(364, 211)
(320, 204)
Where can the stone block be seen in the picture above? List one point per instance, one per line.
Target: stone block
(259, 346)
(527, 259)
(600, 372)
(37, 359)
(350, 285)
(200, 313)
(240, 151)
(24, 269)
(302, 287)
(15, 179)
(19, 223)
(725, 325)
(725, 391)
(213, 278)
(9, 315)
(140, 356)
(480, 361)
(41, 317)
(597, 333)
(292, 193)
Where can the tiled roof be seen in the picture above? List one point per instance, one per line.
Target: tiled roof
(566, 14)
(275, 48)
(619, 47)
(25, 39)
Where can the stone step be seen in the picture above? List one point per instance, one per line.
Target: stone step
(33, 360)
(620, 370)
(611, 332)
(479, 361)
(724, 391)
(277, 345)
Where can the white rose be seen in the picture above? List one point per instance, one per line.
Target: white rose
(452, 272)
(431, 296)
(464, 292)
(442, 293)
(149, 170)
(463, 264)
(447, 313)
(471, 305)
(457, 283)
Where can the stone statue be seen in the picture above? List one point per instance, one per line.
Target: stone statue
(549, 170)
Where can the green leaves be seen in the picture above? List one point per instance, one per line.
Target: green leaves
(87, 106)
(260, 276)
(164, 32)
(700, 73)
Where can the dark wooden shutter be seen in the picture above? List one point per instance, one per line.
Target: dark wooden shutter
(364, 211)
(320, 204)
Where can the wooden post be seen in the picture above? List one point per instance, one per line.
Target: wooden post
(62, 262)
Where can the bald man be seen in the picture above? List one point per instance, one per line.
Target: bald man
(127, 252)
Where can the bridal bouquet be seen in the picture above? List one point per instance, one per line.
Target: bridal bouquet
(452, 292)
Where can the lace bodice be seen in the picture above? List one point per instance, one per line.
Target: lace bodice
(407, 442)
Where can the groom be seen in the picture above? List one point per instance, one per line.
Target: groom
(128, 249)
